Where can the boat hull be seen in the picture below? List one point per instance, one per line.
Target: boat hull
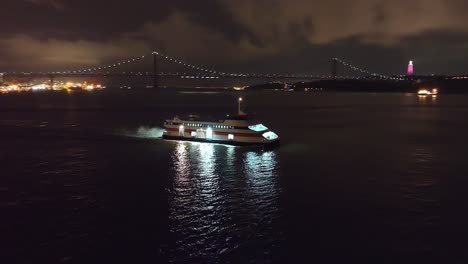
(225, 142)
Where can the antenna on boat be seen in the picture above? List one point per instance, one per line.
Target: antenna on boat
(239, 112)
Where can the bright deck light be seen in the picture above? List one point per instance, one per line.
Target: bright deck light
(258, 128)
(270, 135)
(209, 133)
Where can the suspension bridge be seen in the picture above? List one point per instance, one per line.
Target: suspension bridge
(192, 71)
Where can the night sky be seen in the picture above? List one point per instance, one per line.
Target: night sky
(238, 35)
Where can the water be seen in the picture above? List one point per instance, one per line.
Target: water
(359, 178)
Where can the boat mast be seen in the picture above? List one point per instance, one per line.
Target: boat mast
(239, 112)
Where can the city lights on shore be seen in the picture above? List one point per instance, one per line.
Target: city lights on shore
(48, 86)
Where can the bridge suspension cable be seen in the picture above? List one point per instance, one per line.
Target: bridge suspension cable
(359, 69)
(212, 72)
(104, 67)
(139, 58)
(196, 67)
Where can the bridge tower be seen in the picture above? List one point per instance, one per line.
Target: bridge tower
(155, 70)
(334, 67)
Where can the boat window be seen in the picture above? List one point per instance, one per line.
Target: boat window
(270, 135)
(258, 128)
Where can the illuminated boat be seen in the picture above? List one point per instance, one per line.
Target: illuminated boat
(424, 92)
(234, 130)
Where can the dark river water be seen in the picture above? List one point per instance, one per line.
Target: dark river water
(358, 178)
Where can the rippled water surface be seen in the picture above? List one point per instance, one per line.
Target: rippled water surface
(358, 178)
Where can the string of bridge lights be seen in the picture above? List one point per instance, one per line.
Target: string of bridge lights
(206, 70)
(105, 67)
(356, 68)
(195, 67)
(136, 59)
(199, 68)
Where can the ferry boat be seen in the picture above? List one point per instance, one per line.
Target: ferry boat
(424, 92)
(234, 130)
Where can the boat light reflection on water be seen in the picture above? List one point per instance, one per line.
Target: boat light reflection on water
(261, 170)
(206, 160)
(216, 185)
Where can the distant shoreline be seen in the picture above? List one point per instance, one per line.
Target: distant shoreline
(443, 84)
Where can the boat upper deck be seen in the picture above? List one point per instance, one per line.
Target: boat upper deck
(232, 122)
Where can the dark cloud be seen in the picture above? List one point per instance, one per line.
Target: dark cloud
(236, 34)
(100, 20)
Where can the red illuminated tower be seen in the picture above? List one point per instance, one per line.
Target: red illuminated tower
(410, 68)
